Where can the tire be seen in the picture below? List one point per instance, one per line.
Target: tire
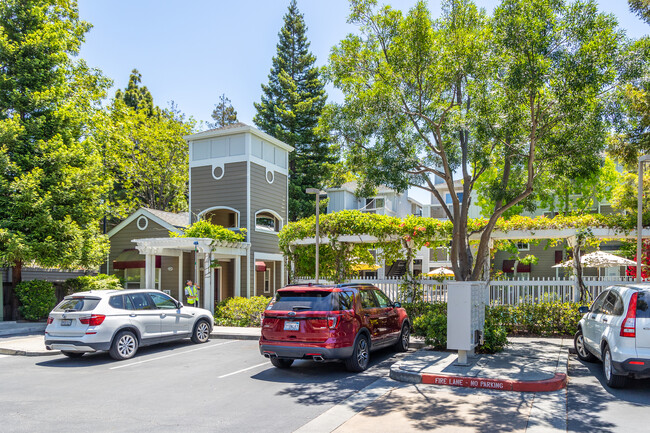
(579, 343)
(402, 344)
(72, 355)
(281, 363)
(201, 332)
(612, 380)
(124, 346)
(360, 355)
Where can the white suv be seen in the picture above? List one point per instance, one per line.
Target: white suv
(616, 330)
(120, 321)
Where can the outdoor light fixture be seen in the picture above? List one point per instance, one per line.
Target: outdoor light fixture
(639, 221)
(318, 193)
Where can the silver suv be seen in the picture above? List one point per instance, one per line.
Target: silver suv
(120, 321)
(616, 330)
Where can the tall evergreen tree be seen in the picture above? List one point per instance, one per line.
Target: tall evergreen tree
(51, 180)
(223, 113)
(291, 105)
(136, 97)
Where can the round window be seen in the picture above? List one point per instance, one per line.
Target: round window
(217, 172)
(142, 223)
(269, 176)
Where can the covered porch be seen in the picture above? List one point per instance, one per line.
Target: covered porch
(214, 266)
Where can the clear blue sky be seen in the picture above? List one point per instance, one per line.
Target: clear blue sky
(190, 52)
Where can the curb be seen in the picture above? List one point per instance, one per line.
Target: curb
(28, 353)
(234, 336)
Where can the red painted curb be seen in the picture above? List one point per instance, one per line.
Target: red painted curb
(546, 385)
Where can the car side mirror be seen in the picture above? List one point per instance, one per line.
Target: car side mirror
(179, 304)
(583, 310)
(397, 304)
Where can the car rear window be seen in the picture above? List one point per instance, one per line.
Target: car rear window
(77, 304)
(305, 300)
(642, 309)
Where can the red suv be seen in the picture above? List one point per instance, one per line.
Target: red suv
(343, 322)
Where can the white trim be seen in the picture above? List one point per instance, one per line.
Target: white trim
(146, 213)
(272, 172)
(223, 170)
(268, 257)
(139, 220)
(204, 211)
(270, 289)
(213, 162)
(248, 216)
(526, 248)
(239, 130)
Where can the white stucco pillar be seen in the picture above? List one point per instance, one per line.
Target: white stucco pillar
(237, 276)
(181, 283)
(149, 271)
(208, 287)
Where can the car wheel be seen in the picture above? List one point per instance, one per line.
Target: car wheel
(72, 355)
(582, 351)
(201, 332)
(612, 380)
(360, 355)
(281, 363)
(124, 346)
(402, 344)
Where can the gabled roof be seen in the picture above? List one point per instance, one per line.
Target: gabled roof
(169, 220)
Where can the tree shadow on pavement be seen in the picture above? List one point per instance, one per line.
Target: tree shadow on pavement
(589, 397)
(431, 407)
(313, 383)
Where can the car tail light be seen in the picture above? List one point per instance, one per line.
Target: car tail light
(50, 319)
(93, 320)
(628, 328)
(332, 321)
(637, 362)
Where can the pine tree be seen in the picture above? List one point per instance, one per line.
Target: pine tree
(223, 113)
(290, 107)
(135, 96)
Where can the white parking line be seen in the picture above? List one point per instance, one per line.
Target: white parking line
(4, 356)
(242, 370)
(173, 354)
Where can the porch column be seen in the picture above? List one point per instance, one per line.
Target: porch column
(149, 271)
(237, 276)
(573, 242)
(181, 283)
(208, 287)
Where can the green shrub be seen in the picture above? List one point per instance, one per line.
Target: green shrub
(495, 335)
(240, 311)
(87, 283)
(544, 319)
(431, 323)
(37, 297)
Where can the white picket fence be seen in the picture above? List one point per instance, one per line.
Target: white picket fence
(504, 292)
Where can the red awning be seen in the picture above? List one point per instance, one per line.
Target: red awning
(132, 259)
(508, 267)
(260, 266)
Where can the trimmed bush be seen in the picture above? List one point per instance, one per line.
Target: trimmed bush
(545, 319)
(37, 297)
(88, 283)
(245, 312)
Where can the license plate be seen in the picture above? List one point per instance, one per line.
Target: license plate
(291, 326)
(66, 322)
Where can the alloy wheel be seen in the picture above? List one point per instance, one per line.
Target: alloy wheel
(203, 332)
(607, 365)
(362, 352)
(580, 346)
(126, 345)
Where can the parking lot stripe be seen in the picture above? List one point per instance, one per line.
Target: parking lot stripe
(173, 354)
(242, 370)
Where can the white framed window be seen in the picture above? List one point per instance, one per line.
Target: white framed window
(134, 278)
(267, 221)
(267, 280)
(523, 246)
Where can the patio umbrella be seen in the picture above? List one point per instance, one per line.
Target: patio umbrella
(365, 267)
(599, 259)
(440, 272)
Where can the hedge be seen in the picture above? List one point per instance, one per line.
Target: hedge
(238, 311)
(87, 283)
(37, 297)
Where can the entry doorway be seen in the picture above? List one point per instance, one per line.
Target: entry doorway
(217, 285)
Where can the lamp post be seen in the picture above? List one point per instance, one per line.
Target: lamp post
(639, 220)
(318, 193)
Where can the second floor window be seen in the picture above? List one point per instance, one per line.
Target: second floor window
(266, 221)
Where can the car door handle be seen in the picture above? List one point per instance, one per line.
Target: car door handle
(605, 320)
(593, 316)
(132, 315)
(162, 316)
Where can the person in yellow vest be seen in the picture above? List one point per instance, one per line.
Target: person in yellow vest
(192, 294)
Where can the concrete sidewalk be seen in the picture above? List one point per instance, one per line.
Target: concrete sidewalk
(33, 344)
(527, 364)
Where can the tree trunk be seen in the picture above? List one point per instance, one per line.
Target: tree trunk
(16, 278)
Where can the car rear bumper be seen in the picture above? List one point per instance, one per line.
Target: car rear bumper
(270, 349)
(639, 368)
(76, 346)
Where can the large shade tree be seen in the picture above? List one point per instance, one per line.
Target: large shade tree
(453, 98)
(51, 179)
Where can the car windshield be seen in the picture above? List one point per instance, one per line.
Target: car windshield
(77, 304)
(304, 300)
